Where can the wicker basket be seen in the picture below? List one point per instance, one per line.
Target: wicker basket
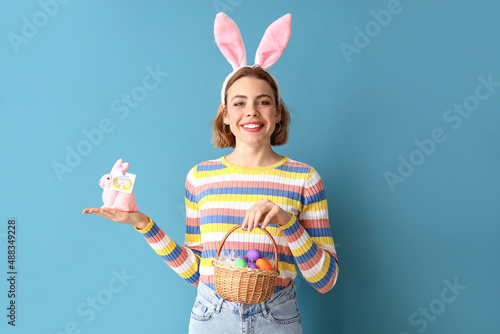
(244, 285)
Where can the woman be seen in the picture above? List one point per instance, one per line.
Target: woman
(251, 186)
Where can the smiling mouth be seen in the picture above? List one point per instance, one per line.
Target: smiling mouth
(252, 126)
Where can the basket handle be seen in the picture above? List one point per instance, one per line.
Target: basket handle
(260, 228)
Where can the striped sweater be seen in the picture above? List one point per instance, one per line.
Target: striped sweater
(217, 197)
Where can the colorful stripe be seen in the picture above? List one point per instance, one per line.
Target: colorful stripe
(217, 198)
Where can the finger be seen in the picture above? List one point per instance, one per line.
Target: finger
(247, 221)
(103, 213)
(109, 210)
(250, 221)
(270, 217)
(266, 209)
(110, 213)
(259, 210)
(244, 223)
(91, 210)
(259, 215)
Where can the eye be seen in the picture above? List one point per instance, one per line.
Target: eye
(238, 104)
(264, 103)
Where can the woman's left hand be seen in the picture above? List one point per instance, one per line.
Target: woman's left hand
(266, 212)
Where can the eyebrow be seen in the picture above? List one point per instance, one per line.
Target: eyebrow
(245, 97)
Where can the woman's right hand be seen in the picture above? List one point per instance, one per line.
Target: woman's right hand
(137, 219)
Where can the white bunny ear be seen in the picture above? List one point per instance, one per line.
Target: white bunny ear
(229, 41)
(115, 166)
(274, 42)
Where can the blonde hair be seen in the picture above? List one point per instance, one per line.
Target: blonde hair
(280, 136)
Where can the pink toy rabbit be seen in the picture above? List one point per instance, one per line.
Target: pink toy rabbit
(116, 199)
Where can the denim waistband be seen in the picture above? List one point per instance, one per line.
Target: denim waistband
(277, 298)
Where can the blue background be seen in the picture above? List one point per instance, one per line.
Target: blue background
(354, 117)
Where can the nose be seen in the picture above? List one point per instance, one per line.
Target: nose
(251, 110)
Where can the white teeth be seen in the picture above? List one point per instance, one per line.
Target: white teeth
(251, 126)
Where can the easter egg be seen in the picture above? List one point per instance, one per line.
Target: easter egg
(240, 262)
(252, 265)
(263, 264)
(254, 254)
(127, 185)
(244, 258)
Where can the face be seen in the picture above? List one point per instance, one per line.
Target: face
(251, 111)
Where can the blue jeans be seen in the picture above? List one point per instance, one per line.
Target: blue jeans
(212, 314)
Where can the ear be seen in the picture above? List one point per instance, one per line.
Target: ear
(274, 42)
(278, 112)
(117, 163)
(125, 166)
(229, 41)
(225, 117)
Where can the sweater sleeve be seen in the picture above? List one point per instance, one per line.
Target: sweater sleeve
(310, 238)
(184, 260)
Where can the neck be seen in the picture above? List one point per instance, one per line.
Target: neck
(252, 156)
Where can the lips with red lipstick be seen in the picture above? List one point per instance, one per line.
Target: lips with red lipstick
(252, 126)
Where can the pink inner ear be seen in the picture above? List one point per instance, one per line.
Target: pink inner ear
(274, 41)
(229, 41)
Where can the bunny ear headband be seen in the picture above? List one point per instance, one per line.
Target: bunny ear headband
(272, 45)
